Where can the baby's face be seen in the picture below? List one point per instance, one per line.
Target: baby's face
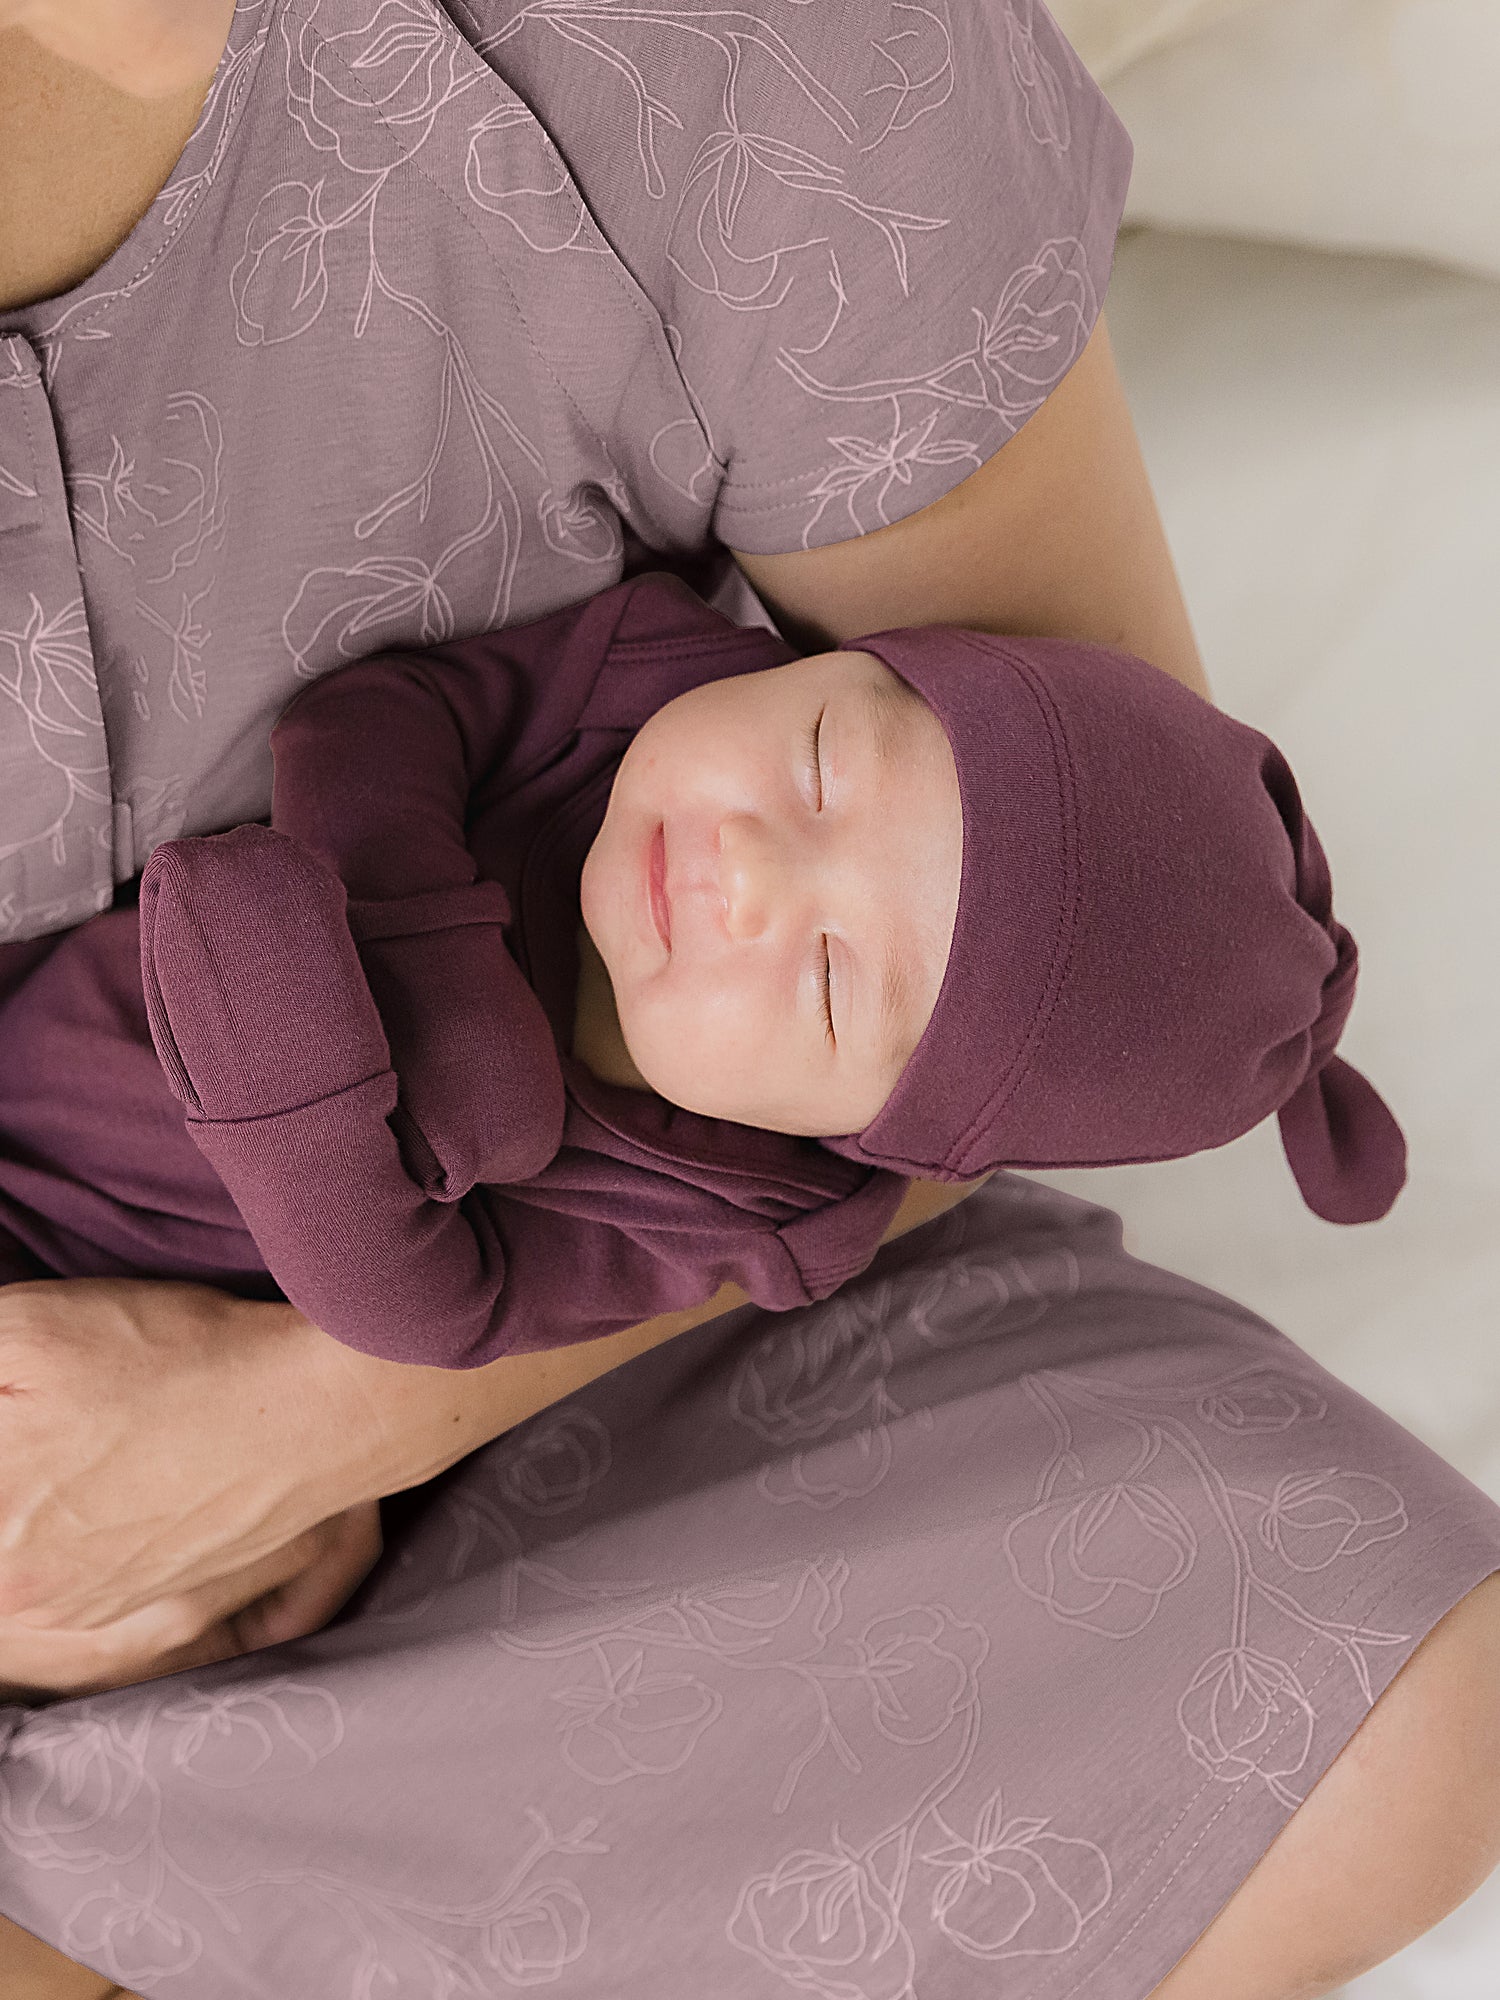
(773, 891)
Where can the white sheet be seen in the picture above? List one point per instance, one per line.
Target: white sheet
(1361, 124)
(1108, 34)
(1324, 436)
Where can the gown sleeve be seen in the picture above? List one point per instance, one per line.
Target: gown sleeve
(876, 236)
(318, 992)
(373, 769)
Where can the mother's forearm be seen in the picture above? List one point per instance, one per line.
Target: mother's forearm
(395, 1424)
(391, 1425)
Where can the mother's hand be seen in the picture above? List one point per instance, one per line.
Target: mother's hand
(161, 1440)
(38, 1666)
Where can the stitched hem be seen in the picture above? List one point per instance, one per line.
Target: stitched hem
(1481, 1559)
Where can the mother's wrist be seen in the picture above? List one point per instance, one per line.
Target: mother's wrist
(371, 1427)
(391, 1425)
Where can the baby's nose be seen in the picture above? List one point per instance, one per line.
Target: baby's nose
(751, 877)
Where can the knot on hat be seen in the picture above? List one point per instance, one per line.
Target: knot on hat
(1145, 962)
(1346, 1152)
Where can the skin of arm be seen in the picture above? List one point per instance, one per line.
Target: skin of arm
(149, 49)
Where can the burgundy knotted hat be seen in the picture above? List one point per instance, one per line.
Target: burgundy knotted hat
(1145, 961)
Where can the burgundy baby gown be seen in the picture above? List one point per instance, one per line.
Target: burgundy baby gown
(365, 1013)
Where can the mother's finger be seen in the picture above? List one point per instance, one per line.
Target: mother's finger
(326, 1566)
(190, 1613)
(352, 1546)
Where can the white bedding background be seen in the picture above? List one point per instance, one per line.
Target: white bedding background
(1323, 432)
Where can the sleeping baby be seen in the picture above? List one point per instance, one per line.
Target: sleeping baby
(588, 965)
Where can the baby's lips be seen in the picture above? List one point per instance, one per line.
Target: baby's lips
(255, 995)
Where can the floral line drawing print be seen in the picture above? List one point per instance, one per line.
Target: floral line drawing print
(722, 168)
(83, 1798)
(567, 20)
(1041, 90)
(1008, 1296)
(47, 670)
(1246, 1715)
(546, 1468)
(918, 89)
(281, 287)
(388, 591)
(1016, 1889)
(1101, 1550)
(1257, 1401)
(285, 239)
(682, 452)
(830, 1924)
(506, 148)
(830, 1375)
(1313, 1518)
(575, 525)
(188, 686)
(832, 1920)
(172, 511)
(1103, 1557)
(136, 1939)
(1049, 1883)
(398, 61)
(11, 482)
(229, 1737)
(52, 658)
(734, 31)
(890, 461)
(840, 300)
(1021, 351)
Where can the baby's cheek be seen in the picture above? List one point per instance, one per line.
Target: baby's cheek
(689, 1040)
(660, 1034)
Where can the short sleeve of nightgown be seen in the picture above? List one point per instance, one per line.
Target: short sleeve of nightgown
(878, 233)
